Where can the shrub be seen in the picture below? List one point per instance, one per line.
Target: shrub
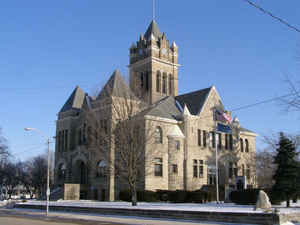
(244, 197)
(147, 196)
(143, 196)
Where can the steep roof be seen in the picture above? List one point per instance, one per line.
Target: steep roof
(115, 86)
(153, 29)
(75, 100)
(165, 108)
(194, 100)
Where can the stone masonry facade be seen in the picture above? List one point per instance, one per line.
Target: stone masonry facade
(185, 131)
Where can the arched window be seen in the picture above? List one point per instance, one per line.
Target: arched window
(164, 85)
(158, 135)
(101, 168)
(242, 144)
(170, 84)
(158, 78)
(247, 145)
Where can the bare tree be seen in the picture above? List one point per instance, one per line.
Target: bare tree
(265, 168)
(292, 101)
(4, 153)
(118, 132)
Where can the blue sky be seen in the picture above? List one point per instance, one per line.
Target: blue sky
(49, 47)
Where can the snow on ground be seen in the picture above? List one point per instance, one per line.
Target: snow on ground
(207, 207)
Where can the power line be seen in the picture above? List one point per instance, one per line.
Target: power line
(263, 102)
(272, 15)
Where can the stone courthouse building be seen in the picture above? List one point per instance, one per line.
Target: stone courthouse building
(187, 131)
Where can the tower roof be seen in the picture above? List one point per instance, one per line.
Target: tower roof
(153, 29)
(75, 100)
(115, 86)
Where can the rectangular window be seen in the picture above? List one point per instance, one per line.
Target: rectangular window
(66, 140)
(204, 138)
(175, 168)
(226, 142)
(199, 137)
(212, 139)
(230, 142)
(201, 170)
(219, 140)
(195, 168)
(158, 167)
(177, 145)
(63, 140)
(59, 141)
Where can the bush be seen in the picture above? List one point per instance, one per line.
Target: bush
(147, 196)
(244, 197)
(125, 195)
(142, 196)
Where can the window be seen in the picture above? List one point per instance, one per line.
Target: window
(170, 84)
(101, 168)
(230, 142)
(142, 80)
(66, 140)
(195, 168)
(175, 168)
(230, 170)
(201, 168)
(247, 145)
(84, 133)
(219, 140)
(204, 138)
(177, 145)
(164, 85)
(59, 141)
(147, 80)
(242, 144)
(158, 78)
(158, 135)
(248, 172)
(212, 139)
(199, 137)
(226, 141)
(63, 140)
(158, 167)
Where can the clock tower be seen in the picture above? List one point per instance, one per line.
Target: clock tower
(154, 66)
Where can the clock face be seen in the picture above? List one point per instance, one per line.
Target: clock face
(140, 51)
(164, 51)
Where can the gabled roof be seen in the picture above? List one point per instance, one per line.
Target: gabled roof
(165, 108)
(75, 101)
(153, 29)
(194, 100)
(115, 86)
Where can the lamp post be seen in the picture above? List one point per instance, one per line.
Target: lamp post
(48, 165)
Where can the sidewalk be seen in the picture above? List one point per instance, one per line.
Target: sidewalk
(88, 217)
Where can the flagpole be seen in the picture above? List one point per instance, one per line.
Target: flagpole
(153, 11)
(217, 164)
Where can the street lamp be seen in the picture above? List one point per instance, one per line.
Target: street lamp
(48, 165)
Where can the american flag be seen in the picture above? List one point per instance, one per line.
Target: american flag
(222, 116)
